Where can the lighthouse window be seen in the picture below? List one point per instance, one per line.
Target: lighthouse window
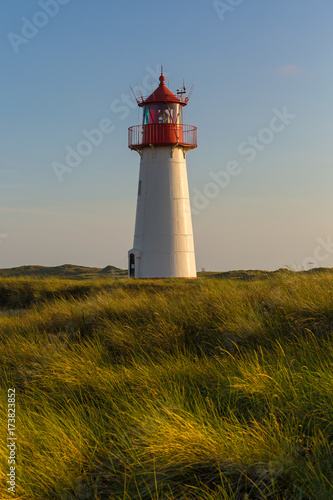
(179, 118)
(145, 115)
(162, 113)
(149, 113)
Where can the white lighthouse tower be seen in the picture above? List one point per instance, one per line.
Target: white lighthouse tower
(163, 240)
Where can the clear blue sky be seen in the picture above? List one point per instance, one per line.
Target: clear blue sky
(70, 73)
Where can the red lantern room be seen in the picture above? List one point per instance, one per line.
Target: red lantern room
(162, 121)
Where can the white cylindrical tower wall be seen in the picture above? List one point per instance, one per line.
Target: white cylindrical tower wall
(163, 241)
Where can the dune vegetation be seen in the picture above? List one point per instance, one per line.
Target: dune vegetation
(170, 389)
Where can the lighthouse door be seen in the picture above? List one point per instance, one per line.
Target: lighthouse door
(132, 265)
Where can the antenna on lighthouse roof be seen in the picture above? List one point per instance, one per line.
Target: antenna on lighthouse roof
(137, 100)
(140, 91)
(182, 91)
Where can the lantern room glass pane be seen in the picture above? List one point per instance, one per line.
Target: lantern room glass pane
(162, 113)
(179, 115)
(145, 115)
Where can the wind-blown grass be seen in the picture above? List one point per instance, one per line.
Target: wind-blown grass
(206, 389)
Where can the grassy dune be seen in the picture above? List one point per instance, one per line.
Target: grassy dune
(200, 389)
(64, 271)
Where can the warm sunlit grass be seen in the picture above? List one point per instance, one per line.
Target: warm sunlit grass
(206, 389)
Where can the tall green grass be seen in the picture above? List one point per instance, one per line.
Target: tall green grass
(205, 389)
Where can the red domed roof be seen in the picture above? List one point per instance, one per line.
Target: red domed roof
(161, 94)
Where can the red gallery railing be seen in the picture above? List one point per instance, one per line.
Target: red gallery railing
(162, 134)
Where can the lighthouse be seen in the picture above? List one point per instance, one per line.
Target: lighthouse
(163, 239)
